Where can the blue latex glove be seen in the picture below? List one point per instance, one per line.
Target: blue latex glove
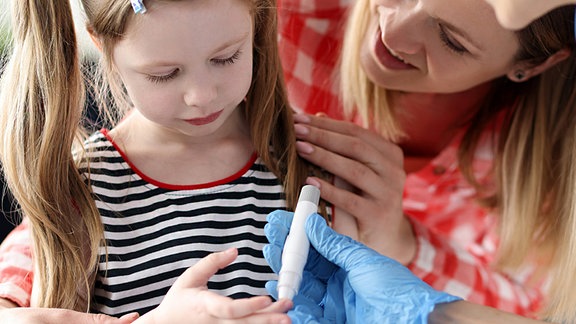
(314, 286)
(345, 281)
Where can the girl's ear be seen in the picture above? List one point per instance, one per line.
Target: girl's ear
(94, 38)
(523, 71)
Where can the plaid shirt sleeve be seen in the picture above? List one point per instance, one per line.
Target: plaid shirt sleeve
(459, 272)
(16, 266)
(457, 238)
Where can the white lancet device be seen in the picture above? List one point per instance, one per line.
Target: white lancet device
(295, 251)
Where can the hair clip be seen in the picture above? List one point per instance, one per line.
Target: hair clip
(138, 6)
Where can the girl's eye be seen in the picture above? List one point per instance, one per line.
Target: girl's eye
(162, 78)
(450, 43)
(230, 60)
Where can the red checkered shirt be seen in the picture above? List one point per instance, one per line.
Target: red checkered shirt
(456, 241)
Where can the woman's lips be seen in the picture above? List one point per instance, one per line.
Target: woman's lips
(204, 120)
(386, 58)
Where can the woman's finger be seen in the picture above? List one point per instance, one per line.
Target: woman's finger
(343, 128)
(372, 179)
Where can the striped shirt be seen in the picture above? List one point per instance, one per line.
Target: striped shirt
(154, 232)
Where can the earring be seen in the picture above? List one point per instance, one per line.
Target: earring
(519, 75)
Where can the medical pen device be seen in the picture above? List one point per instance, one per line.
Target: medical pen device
(295, 251)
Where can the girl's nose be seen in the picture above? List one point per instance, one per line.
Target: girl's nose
(200, 91)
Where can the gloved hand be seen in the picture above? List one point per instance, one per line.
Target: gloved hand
(317, 272)
(345, 281)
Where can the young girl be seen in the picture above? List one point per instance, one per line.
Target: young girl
(204, 152)
(477, 154)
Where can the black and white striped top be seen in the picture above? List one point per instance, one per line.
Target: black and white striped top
(154, 233)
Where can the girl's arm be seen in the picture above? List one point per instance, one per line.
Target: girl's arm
(470, 313)
(6, 303)
(27, 315)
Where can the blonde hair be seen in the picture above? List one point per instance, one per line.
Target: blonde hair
(360, 95)
(535, 164)
(42, 100)
(537, 170)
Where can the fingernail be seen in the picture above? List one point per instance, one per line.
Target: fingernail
(265, 302)
(302, 118)
(130, 317)
(229, 251)
(303, 147)
(288, 303)
(301, 130)
(284, 321)
(313, 181)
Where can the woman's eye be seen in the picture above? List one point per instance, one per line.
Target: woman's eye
(162, 78)
(230, 60)
(450, 43)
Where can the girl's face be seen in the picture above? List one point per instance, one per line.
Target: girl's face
(516, 14)
(435, 46)
(188, 64)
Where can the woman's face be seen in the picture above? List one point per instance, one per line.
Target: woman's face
(515, 14)
(435, 46)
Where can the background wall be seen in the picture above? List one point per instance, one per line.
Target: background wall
(7, 214)
(86, 44)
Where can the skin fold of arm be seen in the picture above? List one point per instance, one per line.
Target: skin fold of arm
(469, 313)
(5, 303)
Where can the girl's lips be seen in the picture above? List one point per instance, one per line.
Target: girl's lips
(204, 120)
(386, 58)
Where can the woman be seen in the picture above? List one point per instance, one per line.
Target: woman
(476, 148)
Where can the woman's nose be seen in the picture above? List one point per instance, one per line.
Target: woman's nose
(403, 27)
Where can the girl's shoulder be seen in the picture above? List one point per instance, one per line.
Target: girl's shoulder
(97, 148)
(98, 139)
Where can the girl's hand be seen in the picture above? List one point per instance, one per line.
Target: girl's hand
(369, 182)
(189, 300)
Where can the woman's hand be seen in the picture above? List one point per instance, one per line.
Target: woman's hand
(369, 184)
(189, 300)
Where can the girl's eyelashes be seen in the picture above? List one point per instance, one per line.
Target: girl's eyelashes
(162, 78)
(450, 43)
(230, 60)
